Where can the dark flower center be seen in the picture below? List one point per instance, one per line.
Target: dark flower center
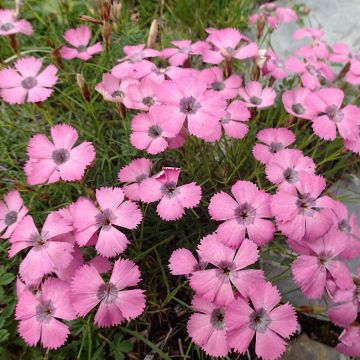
(189, 105)
(107, 293)
(154, 131)
(218, 86)
(217, 319)
(312, 70)
(245, 214)
(306, 205)
(45, 311)
(344, 226)
(29, 82)
(148, 101)
(169, 189)
(10, 218)
(117, 93)
(105, 218)
(81, 48)
(290, 175)
(60, 156)
(260, 320)
(333, 113)
(298, 109)
(275, 147)
(6, 27)
(226, 119)
(38, 240)
(140, 178)
(255, 100)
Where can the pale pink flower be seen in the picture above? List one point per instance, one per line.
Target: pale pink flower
(254, 95)
(350, 341)
(39, 315)
(273, 66)
(32, 286)
(134, 174)
(318, 49)
(114, 212)
(285, 15)
(304, 212)
(245, 216)
(79, 38)
(354, 145)
(285, 166)
(228, 43)
(206, 327)
(214, 78)
(10, 24)
(294, 103)
(234, 121)
(183, 262)
(353, 75)
(49, 249)
(330, 115)
(261, 317)
(12, 211)
(26, 83)
(341, 53)
(179, 140)
(114, 89)
(150, 131)
(68, 272)
(272, 141)
(308, 33)
(51, 161)
(142, 95)
(228, 267)
(117, 302)
(187, 98)
(101, 264)
(173, 199)
(318, 269)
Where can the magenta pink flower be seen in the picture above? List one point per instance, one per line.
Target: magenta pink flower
(350, 341)
(294, 103)
(272, 141)
(12, 211)
(214, 78)
(114, 89)
(318, 270)
(303, 213)
(26, 83)
(285, 167)
(115, 212)
(254, 95)
(206, 327)
(142, 95)
(39, 315)
(273, 66)
(67, 273)
(228, 44)
(233, 123)
(49, 249)
(150, 131)
(227, 269)
(245, 216)
(51, 161)
(270, 323)
(341, 53)
(326, 104)
(318, 49)
(134, 174)
(79, 38)
(117, 302)
(173, 199)
(183, 262)
(9, 24)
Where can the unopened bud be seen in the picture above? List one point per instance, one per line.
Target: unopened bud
(18, 6)
(105, 10)
(106, 32)
(84, 87)
(115, 11)
(306, 10)
(153, 33)
(260, 58)
(260, 27)
(89, 19)
(135, 17)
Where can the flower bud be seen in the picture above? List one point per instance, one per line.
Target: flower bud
(153, 33)
(84, 87)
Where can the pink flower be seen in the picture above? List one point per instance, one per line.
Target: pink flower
(10, 25)
(142, 95)
(318, 270)
(227, 269)
(285, 15)
(341, 53)
(173, 199)
(51, 161)
(117, 302)
(272, 141)
(39, 315)
(183, 262)
(326, 104)
(303, 213)
(294, 103)
(188, 99)
(206, 327)
(150, 131)
(12, 211)
(354, 145)
(270, 323)
(285, 167)
(184, 48)
(79, 38)
(114, 212)
(353, 75)
(350, 341)
(233, 122)
(313, 33)
(229, 43)
(318, 49)
(134, 174)
(67, 272)
(49, 249)
(246, 215)
(114, 89)
(254, 95)
(27, 83)
(214, 78)
(273, 66)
